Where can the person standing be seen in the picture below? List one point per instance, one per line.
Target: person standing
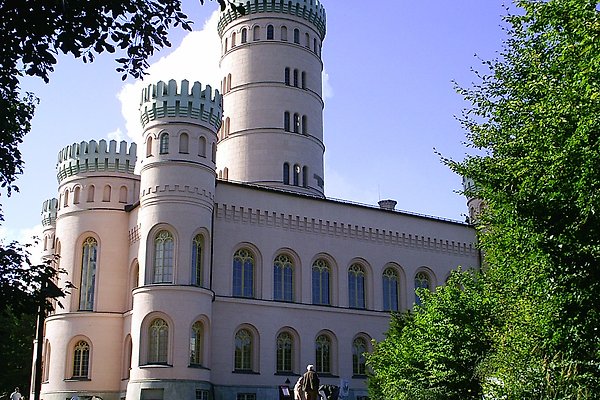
(16, 395)
(310, 383)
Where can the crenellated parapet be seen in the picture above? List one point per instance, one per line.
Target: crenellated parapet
(310, 10)
(166, 101)
(95, 156)
(49, 209)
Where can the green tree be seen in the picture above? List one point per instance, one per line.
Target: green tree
(435, 351)
(534, 121)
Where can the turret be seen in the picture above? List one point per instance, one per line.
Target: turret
(272, 133)
(178, 181)
(474, 203)
(49, 210)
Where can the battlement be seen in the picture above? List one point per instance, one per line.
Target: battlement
(95, 156)
(469, 187)
(49, 209)
(165, 101)
(310, 10)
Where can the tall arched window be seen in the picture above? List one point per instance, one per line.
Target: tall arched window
(296, 123)
(243, 350)
(91, 193)
(321, 282)
(243, 273)
(197, 255)
(390, 290)
(303, 80)
(228, 82)
(163, 257)
(287, 76)
(356, 286)
(315, 45)
(256, 33)
(66, 198)
(283, 278)
(297, 36)
(233, 39)
(307, 40)
(164, 143)
(244, 35)
(286, 173)
(88, 274)
(46, 362)
(127, 353)
(123, 194)
(225, 49)
(81, 360)
(76, 195)
(149, 146)
(270, 32)
(323, 354)
(285, 351)
(359, 348)
(284, 33)
(421, 282)
(305, 176)
(214, 151)
(184, 140)
(106, 194)
(296, 175)
(196, 343)
(296, 78)
(158, 342)
(304, 125)
(286, 121)
(202, 146)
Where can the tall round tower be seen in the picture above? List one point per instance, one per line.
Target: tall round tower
(89, 222)
(272, 131)
(173, 304)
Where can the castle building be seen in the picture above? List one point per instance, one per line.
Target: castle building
(220, 270)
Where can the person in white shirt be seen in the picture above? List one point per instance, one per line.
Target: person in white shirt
(16, 395)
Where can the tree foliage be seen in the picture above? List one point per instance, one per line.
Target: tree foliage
(534, 124)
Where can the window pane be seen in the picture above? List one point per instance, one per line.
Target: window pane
(243, 273)
(88, 274)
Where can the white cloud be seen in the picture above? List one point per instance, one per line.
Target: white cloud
(196, 59)
(327, 88)
(116, 135)
(26, 237)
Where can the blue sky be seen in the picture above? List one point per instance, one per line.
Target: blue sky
(390, 100)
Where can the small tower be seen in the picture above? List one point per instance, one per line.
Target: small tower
(49, 210)
(474, 203)
(178, 181)
(272, 132)
(89, 222)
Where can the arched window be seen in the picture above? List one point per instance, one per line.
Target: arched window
(359, 348)
(66, 198)
(297, 36)
(243, 273)
(228, 82)
(315, 45)
(356, 286)
(296, 123)
(76, 195)
(287, 76)
(323, 354)
(214, 151)
(163, 257)
(296, 78)
(184, 143)
(296, 175)
(225, 173)
(202, 146)
(303, 80)
(46, 362)
(244, 35)
(88, 274)
(304, 125)
(164, 143)
(307, 40)
(196, 343)
(421, 282)
(225, 50)
(270, 32)
(149, 146)
(305, 176)
(106, 194)
(233, 37)
(286, 173)
(390, 290)
(284, 33)
(158, 342)
(197, 255)
(127, 353)
(123, 194)
(243, 350)
(285, 351)
(81, 360)
(321, 273)
(286, 121)
(90, 193)
(256, 33)
(283, 278)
